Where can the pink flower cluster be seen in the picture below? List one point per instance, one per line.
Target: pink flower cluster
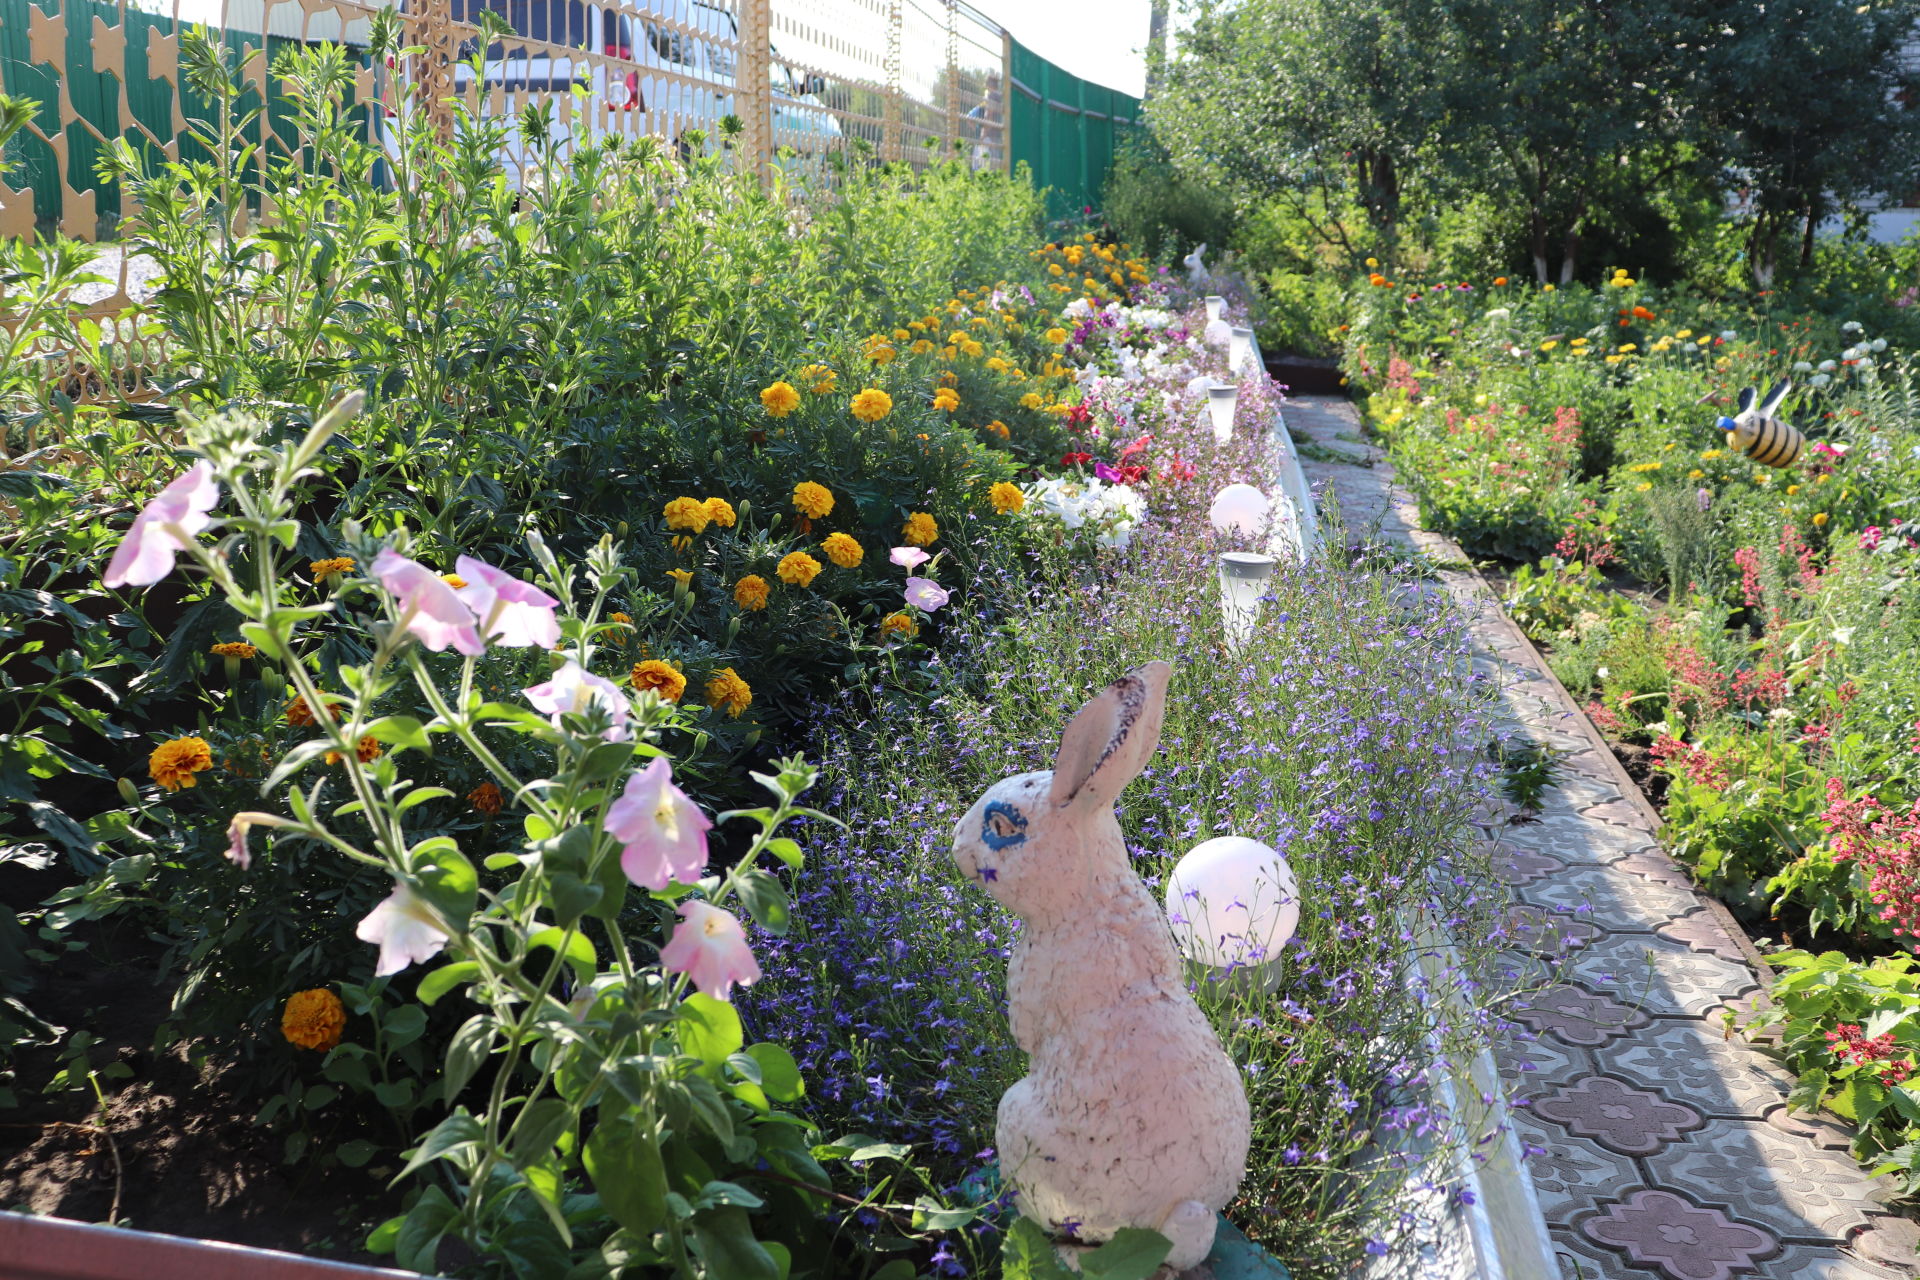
(1853, 1047)
(1701, 768)
(1886, 844)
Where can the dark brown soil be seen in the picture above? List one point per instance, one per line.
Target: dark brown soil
(174, 1145)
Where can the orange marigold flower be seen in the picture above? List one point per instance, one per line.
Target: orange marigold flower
(233, 649)
(1499, 281)
(623, 619)
(324, 569)
(174, 763)
(486, 798)
(751, 592)
(313, 1019)
(1007, 498)
(689, 514)
(727, 692)
(367, 750)
(661, 677)
(843, 550)
(920, 530)
(819, 378)
(797, 569)
(873, 404)
(721, 512)
(684, 577)
(811, 500)
(780, 399)
(898, 626)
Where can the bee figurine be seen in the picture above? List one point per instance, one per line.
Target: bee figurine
(1758, 433)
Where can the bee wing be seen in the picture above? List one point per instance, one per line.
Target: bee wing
(1771, 405)
(1746, 399)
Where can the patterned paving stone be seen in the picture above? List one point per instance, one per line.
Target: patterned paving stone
(1611, 899)
(1890, 1243)
(1546, 933)
(1517, 866)
(1796, 1190)
(1692, 1059)
(1678, 1238)
(1617, 812)
(1541, 1063)
(1654, 864)
(1659, 977)
(1572, 838)
(1580, 794)
(1823, 1262)
(1701, 931)
(1573, 1015)
(1571, 1175)
(1818, 1130)
(1621, 1118)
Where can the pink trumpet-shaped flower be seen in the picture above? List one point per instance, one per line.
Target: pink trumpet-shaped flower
(512, 613)
(664, 834)
(237, 852)
(909, 558)
(403, 929)
(709, 946)
(573, 689)
(925, 594)
(432, 611)
(146, 554)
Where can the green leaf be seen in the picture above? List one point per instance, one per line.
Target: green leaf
(724, 1237)
(788, 851)
(382, 1238)
(709, 1029)
(355, 1152)
(403, 1025)
(575, 948)
(719, 1192)
(604, 761)
(420, 795)
(538, 1128)
(572, 897)
(1134, 1253)
(467, 1050)
(1027, 1254)
(457, 1133)
(418, 1239)
(627, 1172)
(444, 979)
(930, 1215)
(403, 732)
(766, 901)
(445, 878)
(779, 1073)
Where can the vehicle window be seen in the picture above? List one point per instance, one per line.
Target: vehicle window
(553, 21)
(668, 44)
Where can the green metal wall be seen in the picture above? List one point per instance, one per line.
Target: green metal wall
(1065, 129)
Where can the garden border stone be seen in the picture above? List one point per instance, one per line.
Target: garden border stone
(37, 1248)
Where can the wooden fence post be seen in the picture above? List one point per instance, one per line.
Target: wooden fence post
(430, 26)
(753, 96)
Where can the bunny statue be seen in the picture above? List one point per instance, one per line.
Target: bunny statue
(1196, 264)
(1131, 1114)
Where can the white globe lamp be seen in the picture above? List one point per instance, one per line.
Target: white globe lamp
(1233, 903)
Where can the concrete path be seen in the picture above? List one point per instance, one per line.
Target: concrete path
(1660, 1143)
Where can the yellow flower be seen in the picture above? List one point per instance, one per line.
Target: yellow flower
(313, 1019)
(683, 577)
(1577, 342)
(1642, 487)
(721, 512)
(812, 500)
(1629, 346)
(898, 626)
(819, 378)
(1546, 288)
(751, 592)
(1710, 454)
(971, 348)
(1007, 498)
(921, 346)
(902, 335)
(1644, 467)
(1695, 474)
(920, 530)
(324, 569)
(233, 649)
(1819, 519)
(946, 399)
(842, 550)
(1684, 333)
(797, 568)
(1373, 262)
(872, 405)
(174, 763)
(1055, 335)
(1055, 269)
(688, 513)
(661, 677)
(1032, 400)
(1792, 489)
(727, 692)
(998, 428)
(1549, 345)
(780, 399)
(1615, 359)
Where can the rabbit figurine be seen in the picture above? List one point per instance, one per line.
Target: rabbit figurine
(1758, 430)
(1196, 264)
(1131, 1114)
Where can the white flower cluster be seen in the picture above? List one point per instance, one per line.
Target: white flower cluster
(1111, 511)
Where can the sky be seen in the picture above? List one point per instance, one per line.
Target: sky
(1099, 40)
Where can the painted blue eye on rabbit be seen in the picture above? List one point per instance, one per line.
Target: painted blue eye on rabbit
(1131, 1114)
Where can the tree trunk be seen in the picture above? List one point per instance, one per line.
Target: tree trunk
(1806, 240)
(1386, 186)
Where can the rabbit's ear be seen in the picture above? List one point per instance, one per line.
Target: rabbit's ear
(1746, 399)
(1771, 405)
(1111, 738)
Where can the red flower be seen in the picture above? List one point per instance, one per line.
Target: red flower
(1075, 459)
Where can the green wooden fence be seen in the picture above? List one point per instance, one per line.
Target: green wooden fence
(1065, 129)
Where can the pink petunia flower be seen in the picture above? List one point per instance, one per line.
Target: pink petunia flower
(909, 557)
(237, 852)
(1870, 537)
(430, 609)
(573, 689)
(926, 595)
(664, 833)
(158, 534)
(709, 946)
(512, 613)
(404, 930)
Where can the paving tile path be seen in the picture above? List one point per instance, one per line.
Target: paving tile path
(1661, 1145)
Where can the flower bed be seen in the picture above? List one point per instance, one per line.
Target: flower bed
(1745, 632)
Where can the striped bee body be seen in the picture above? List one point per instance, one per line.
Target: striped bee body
(1759, 432)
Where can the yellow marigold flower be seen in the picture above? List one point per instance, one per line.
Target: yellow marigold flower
(174, 763)
(1373, 262)
(957, 337)
(661, 677)
(1710, 454)
(1615, 359)
(1629, 346)
(898, 626)
(751, 592)
(1792, 489)
(1007, 498)
(946, 399)
(1684, 333)
(879, 350)
(233, 649)
(1032, 400)
(842, 550)
(1577, 342)
(324, 569)
(999, 428)
(921, 346)
(902, 335)
(920, 530)
(453, 580)
(780, 399)
(690, 514)
(972, 349)
(1644, 467)
(727, 692)
(313, 1019)
(1819, 519)
(1055, 269)
(819, 378)
(367, 750)
(812, 500)
(1546, 288)
(948, 353)
(486, 798)
(872, 405)
(1695, 474)
(1642, 487)
(797, 568)
(1549, 345)
(721, 512)
(684, 577)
